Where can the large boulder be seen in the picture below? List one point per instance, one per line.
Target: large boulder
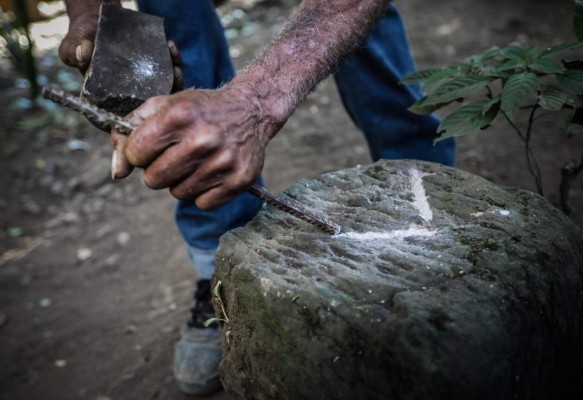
(442, 286)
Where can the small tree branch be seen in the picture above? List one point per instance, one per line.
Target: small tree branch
(532, 163)
(513, 125)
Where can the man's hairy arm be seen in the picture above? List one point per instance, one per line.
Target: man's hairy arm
(318, 36)
(210, 144)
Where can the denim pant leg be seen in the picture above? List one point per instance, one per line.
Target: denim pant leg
(195, 28)
(368, 83)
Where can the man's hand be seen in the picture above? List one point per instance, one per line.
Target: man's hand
(210, 144)
(203, 144)
(76, 48)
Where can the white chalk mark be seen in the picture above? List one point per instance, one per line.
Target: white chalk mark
(266, 285)
(420, 197)
(413, 231)
(499, 211)
(144, 67)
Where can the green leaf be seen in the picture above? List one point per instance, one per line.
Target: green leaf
(442, 75)
(493, 53)
(421, 108)
(458, 88)
(488, 105)
(512, 64)
(571, 81)
(217, 290)
(211, 321)
(429, 77)
(533, 53)
(578, 22)
(420, 76)
(552, 98)
(547, 66)
(516, 53)
(560, 48)
(495, 73)
(467, 119)
(517, 90)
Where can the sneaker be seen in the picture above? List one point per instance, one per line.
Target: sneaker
(198, 352)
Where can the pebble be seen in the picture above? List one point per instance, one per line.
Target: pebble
(123, 238)
(60, 363)
(76, 145)
(131, 328)
(15, 231)
(112, 260)
(84, 254)
(45, 302)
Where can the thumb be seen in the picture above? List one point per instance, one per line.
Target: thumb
(120, 167)
(76, 52)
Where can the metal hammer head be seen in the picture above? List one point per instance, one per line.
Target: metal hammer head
(131, 61)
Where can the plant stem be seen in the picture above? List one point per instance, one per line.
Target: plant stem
(29, 62)
(533, 166)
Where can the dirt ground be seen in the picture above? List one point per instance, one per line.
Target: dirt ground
(94, 282)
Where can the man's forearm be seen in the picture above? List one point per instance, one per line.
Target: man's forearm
(318, 36)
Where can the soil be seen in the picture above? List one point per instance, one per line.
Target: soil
(94, 281)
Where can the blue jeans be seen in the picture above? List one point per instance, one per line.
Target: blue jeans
(368, 83)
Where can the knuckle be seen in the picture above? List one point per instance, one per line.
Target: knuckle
(207, 204)
(225, 161)
(132, 152)
(203, 144)
(181, 193)
(241, 181)
(180, 111)
(152, 181)
(249, 177)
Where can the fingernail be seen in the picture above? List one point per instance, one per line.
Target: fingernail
(114, 165)
(79, 54)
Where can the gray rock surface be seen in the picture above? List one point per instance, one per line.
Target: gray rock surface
(130, 63)
(443, 286)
